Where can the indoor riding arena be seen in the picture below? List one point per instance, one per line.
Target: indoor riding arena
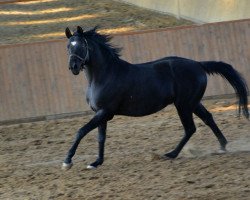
(42, 106)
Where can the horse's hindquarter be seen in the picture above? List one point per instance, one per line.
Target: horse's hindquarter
(149, 88)
(190, 80)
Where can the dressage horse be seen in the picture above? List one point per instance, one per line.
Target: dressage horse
(117, 87)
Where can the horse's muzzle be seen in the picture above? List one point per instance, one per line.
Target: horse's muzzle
(75, 69)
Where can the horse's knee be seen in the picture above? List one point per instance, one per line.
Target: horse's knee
(193, 130)
(190, 131)
(80, 134)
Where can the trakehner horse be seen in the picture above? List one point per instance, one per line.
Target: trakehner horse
(116, 87)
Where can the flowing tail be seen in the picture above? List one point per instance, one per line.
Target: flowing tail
(234, 78)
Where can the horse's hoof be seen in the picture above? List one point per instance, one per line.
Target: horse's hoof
(170, 155)
(222, 151)
(91, 167)
(166, 157)
(66, 166)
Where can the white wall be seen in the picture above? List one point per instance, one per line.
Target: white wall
(203, 11)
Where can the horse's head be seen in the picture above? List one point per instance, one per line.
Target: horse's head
(77, 49)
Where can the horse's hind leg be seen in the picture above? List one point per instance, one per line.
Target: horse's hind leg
(186, 117)
(207, 118)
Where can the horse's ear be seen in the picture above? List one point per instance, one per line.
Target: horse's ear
(79, 30)
(68, 33)
(97, 27)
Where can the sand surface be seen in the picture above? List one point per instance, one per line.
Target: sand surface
(31, 155)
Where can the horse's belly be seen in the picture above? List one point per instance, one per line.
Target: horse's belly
(144, 107)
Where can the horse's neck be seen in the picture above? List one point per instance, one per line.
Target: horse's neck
(103, 67)
(98, 72)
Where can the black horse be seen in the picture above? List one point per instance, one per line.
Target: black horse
(116, 87)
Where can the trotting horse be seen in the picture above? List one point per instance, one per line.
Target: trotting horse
(116, 87)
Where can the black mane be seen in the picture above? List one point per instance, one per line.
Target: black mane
(101, 39)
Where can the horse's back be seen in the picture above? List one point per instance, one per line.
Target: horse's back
(174, 66)
(187, 71)
(178, 70)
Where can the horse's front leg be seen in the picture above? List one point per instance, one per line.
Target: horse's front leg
(100, 117)
(101, 140)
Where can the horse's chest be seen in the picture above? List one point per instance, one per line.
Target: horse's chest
(94, 99)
